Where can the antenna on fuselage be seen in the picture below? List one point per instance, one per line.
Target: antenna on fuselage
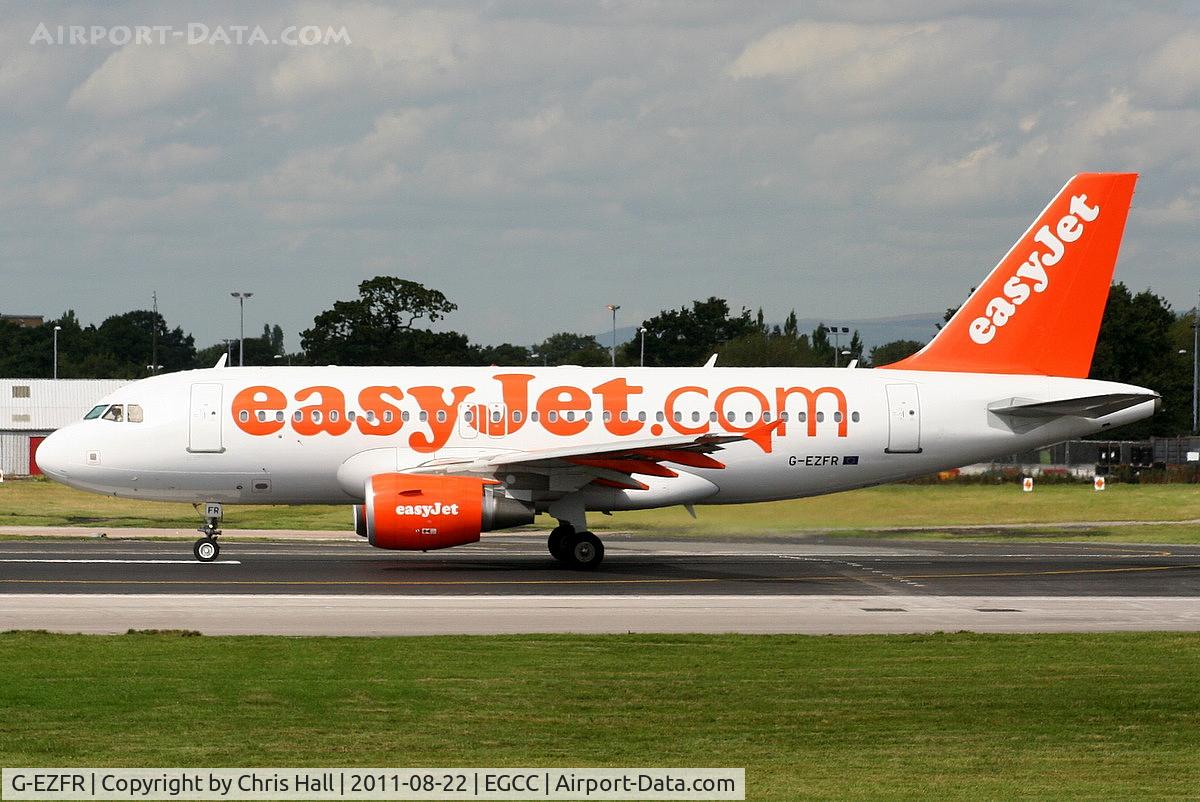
(221, 361)
(712, 361)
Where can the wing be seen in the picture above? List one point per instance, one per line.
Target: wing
(569, 468)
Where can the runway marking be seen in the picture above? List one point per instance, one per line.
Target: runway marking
(122, 562)
(1129, 569)
(548, 582)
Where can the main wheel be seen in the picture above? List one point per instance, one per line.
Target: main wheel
(583, 551)
(206, 549)
(555, 542)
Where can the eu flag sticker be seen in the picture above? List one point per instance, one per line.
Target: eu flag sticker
(850, 460)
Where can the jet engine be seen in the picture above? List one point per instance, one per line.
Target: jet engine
(414, 512)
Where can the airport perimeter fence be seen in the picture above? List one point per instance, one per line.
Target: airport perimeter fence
(1156, 460)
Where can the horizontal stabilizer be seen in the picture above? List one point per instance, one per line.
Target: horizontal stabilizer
(1093, 406)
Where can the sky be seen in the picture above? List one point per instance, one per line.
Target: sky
(536, 161)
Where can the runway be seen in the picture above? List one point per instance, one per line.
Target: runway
(510, 584)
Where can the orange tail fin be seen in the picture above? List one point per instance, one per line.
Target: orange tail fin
(1039, 310)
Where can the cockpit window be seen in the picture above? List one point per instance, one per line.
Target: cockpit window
(115, 413)
(135, 413)
(96, 412)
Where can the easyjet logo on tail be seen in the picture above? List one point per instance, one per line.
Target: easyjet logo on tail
(1032, 275)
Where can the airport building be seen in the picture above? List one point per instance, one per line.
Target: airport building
(30, 409)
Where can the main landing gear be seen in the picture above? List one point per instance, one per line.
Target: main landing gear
(579, 550)
(206, 548)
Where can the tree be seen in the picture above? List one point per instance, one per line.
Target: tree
(566, 348)
(506, 355)
(684, 337)
(379, 328)
(894, 351)
(1136, 346)
(770, 346)
(128, 338)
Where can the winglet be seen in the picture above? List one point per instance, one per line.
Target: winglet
(762, 434)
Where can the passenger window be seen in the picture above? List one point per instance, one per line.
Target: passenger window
(552, 416)
(495, 416)
(854, 417)
(820, 417)
(468, 416)
(749, 417)
(441, 416)
(641, 417)
(95, 412)
(695, 417)
(262, 415)
(658, 416)
(279, 416)
(516, 416)
(387, 416)
(837, 417)
(244, 416)
(424, 416)
(533, 416)
(115, 413)
(298, 415)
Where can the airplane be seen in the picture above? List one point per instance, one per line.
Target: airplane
(430, 458)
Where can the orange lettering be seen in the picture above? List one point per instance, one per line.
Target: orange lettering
(328, 416)
(731, 426)
(386, 416)
(669, 409)
(254, 410)
(558, 400)
(614, 399)
(441, 416)
(810, 397)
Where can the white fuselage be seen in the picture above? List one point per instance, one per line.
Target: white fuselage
(206, 435)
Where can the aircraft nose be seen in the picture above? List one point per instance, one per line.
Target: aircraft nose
(53, 454)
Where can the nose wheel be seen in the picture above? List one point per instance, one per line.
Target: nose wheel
(582, 551)
(206, 549)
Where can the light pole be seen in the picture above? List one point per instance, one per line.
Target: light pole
(1195, 364)
(228, 350)
(241, 296)
(613, 308)
(837, 332)
(57, 329)
(642, 360)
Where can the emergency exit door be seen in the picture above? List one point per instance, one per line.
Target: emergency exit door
(204, 421)
(904, 419)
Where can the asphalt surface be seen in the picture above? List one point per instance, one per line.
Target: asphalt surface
(509, 584)
(519, 564)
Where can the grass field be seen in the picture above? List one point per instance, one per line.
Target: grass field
(42, 503)
(961, 716)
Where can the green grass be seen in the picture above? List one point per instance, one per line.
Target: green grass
(963, 716)
(42, 503)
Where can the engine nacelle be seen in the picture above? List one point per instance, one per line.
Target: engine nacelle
(414, 512)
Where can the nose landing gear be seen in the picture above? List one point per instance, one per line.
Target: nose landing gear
(206, 548)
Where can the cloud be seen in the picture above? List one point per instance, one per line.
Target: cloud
(137, 78)
(531, 158)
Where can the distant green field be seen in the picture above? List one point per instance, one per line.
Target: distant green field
(42, 503)
(963, 716)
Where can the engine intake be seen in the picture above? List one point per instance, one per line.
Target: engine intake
(414, 512)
